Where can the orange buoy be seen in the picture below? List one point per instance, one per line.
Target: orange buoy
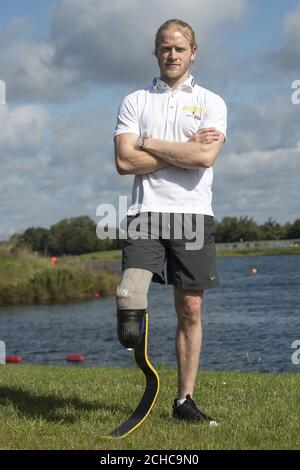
(14, 359)
(75, 357)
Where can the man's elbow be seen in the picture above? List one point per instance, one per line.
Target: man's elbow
(206, 164)
(121, 172)
(207, 161)
(121, 163)
(208, 155)
(123, 167)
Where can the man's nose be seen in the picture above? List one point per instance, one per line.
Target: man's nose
(172, 54)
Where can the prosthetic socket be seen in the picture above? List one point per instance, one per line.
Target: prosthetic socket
(131, 298)
(130, 327)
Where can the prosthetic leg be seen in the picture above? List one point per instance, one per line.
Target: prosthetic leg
(133, 334)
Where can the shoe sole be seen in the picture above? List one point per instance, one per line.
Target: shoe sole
(195, 423)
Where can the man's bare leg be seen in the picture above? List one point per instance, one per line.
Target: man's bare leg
(188, 338)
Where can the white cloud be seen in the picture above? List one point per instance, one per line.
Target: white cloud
(291, 24)
(79, 173)
(21, 139)
(55, 167)
(30, 72)
(284, 62)
(260, 184)
(115, 43)
(94, 42)
(22, 130)
(273, 123)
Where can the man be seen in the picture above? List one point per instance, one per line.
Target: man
(169, 135)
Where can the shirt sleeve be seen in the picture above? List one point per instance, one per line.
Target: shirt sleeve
(127, 120)
(215, 114)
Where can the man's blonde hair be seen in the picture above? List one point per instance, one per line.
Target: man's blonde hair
(176, 25)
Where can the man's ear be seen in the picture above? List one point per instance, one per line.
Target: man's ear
(194, 50)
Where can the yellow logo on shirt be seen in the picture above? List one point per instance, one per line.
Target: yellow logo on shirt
(192, 109)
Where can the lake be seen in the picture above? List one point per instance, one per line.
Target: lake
(249, 323)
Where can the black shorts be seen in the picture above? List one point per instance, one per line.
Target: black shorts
(193, 269)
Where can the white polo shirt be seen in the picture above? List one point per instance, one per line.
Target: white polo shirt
(173, 115)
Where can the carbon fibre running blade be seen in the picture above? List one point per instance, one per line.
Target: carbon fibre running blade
(150, 394)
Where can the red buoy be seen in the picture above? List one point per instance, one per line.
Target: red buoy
(75, 357)
(13, 359)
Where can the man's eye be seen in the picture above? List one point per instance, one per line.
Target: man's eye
(168, 49)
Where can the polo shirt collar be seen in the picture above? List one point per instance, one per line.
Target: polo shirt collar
(188, 85)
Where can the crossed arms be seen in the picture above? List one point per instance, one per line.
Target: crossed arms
(200, 150)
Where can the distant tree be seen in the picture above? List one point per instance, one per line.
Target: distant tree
(77, 235)
(232, 229)
(73, 236)
(109, 243)
(225, 230)
(271, 230)
(293, 230)
(249, 230)
(286, 230)
(35, 238)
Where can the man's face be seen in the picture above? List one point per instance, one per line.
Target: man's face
(174, 55)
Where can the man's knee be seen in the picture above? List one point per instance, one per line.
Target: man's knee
(188, 309)
(131, 299)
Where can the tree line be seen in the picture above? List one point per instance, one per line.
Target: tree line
(233, 229)
(74, 236)
(77, 235)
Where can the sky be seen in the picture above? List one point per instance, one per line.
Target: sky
(68, 64)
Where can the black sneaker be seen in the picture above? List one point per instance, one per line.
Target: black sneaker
(189, 412)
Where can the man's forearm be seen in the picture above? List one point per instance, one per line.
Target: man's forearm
(189, 155)
(137, 162)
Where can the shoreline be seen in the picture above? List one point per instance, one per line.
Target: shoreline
(270, 251)
(28, 278)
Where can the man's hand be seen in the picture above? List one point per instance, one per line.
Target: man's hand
(207, 136)
(200, 151)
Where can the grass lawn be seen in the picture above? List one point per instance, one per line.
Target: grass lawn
(69, 407)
